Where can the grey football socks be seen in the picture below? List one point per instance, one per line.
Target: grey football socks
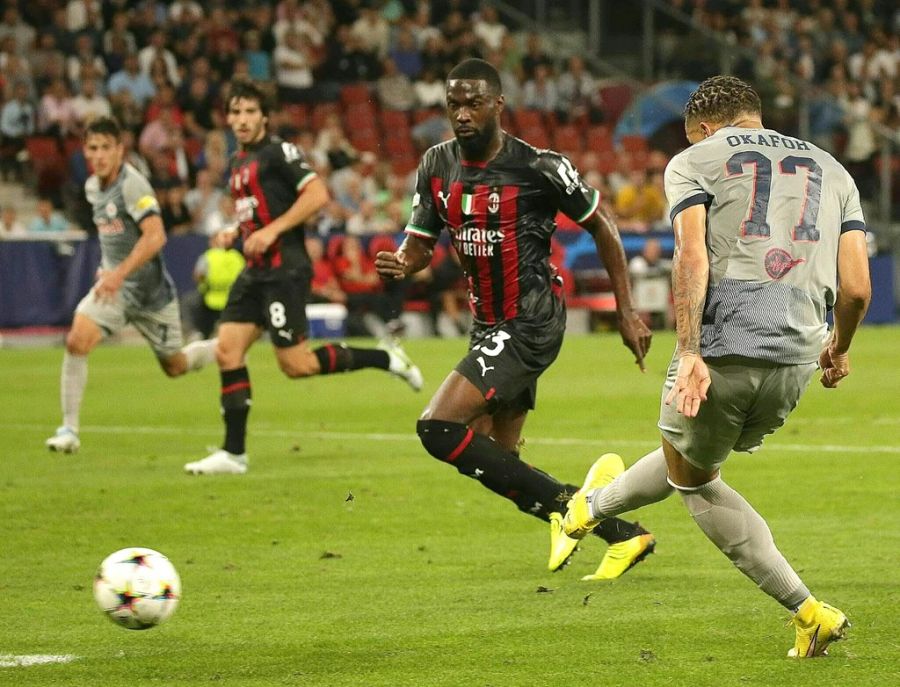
(640, 485)
(73, 380)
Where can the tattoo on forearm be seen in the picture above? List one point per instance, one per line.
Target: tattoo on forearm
(689, 291)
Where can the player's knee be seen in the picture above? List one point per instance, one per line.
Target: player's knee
(441, 439)
(228, 357)
(78, 344)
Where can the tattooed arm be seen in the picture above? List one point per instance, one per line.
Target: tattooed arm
(690, 278)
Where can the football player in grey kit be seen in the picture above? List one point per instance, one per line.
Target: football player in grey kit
(769, 236)
(132, 285)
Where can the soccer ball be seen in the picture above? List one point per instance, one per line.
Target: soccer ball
(137, 588)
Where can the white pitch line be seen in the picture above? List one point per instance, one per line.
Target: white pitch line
(26, 660)
(380, 436)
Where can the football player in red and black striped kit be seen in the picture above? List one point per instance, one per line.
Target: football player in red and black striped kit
(498, 198)
(275, 192)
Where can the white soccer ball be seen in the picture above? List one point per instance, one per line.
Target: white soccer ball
(137, 588)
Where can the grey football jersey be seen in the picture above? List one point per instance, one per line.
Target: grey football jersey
(776, 207)
(118, 209)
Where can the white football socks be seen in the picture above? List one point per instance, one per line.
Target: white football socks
(72, 382)
(199, 354)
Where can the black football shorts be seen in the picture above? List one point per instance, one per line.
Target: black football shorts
(505, 360)
(275, 302)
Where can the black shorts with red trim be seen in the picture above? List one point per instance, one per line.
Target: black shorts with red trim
(506, 359)
(274, 300)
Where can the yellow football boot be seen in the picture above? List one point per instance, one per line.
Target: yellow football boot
(578, 520)
(817, 625)
(561, 546)
(622, 556)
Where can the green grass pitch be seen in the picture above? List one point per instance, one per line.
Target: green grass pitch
(424, 578)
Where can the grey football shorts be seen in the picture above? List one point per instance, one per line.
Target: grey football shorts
(747, 400)
(161, 328)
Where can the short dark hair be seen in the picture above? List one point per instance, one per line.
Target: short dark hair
(722, 99)
(244, 88)
(106, 126)
(477, 70)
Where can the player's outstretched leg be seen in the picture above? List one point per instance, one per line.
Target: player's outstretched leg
(199, 354)
(232, 457)
(388, 356)
(532, 490)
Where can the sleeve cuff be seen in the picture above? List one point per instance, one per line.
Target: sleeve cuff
(305, 180)
(420, 231)
(594, 203)
(853, 225)
(696, 199)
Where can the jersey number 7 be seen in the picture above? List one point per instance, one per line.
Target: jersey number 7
(755, 225)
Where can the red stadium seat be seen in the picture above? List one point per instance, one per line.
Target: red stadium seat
(402, 166)
(528, 119)
(599, 138)
(356, 93)
(421, 115)
(359, 116)
(633, 144)
(568, 139)
(607, 162)
(615, 97)
(394, 120)
(381, 242)
(297, 114)
(365, 139)
(323, 111)
(399, 146)
(536, 136)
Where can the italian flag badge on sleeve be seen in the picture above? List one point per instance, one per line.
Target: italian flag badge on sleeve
(468, 204)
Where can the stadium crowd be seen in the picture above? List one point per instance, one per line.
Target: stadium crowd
(361, 86)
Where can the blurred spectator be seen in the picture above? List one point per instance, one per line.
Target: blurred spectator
(10, 226)
(651, 278)
(200, 106)
(89, 104)
(56, 113)
(324, 287)
(540, 92)
(406, 54)
(510, 79)
(641, 202)
(175, 215)
(12, 25)
(332, 143)
(179, 10)
(203, 200)
(84, 14)
(132, 156)
(222, 217)
(293, 69)
(17, 122)
(118, 37)
(158, 136)
(431, 91)
(394, 89)
(259, 60)
(368, 307)
(488, 27)
(579, 94)
(85, 55)
(861, 143)
(373, 31)
(131, 79)
(157, 50)
(47, 219)
(346, 61)
(534, 55)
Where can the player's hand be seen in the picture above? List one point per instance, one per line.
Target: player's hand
(691, 383)
(390, 266)
(225, 238)
(259, 242)
(108, 284)
(635, 335)
(835, 366)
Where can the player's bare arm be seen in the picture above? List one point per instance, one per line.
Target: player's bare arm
(853, 295)
(312, 198)
(413, 256)
(635, 334)
(153, 238)
(690, 276)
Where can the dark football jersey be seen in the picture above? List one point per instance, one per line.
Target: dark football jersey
(265, 181)
(500, 216)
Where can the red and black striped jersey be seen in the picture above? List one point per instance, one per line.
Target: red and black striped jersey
(265, 180)
(500, 215)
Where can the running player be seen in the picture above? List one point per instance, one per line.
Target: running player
(275, 193)
(132, 286)
(498, 197)
(769, 236)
